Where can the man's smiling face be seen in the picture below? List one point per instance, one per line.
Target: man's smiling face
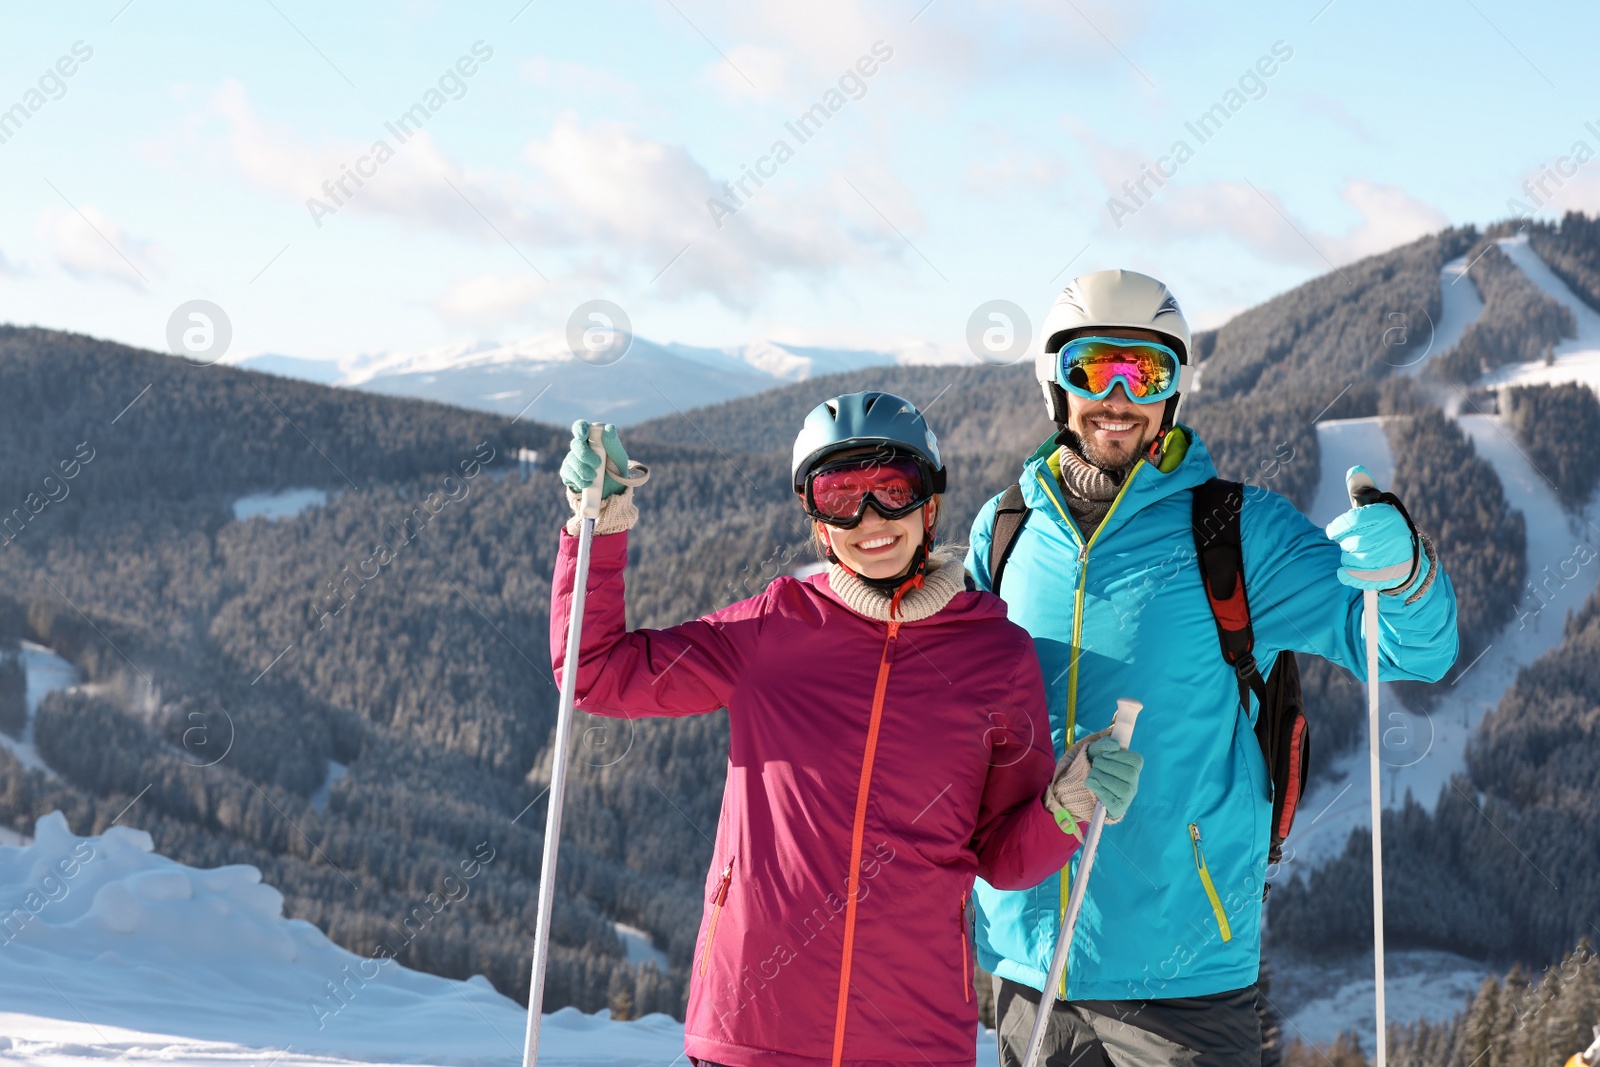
(1114, 431)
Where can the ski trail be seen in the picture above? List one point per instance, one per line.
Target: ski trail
(1459, 307)
(46, 672)
(1321, 998)
(1576, 359)
(1420, 752)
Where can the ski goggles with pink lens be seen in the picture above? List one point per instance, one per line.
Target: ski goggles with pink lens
(895, 486)
(1091, 367)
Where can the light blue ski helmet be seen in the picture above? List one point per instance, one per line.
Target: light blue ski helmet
(865, 420)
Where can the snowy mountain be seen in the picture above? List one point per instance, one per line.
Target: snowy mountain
(540, 377)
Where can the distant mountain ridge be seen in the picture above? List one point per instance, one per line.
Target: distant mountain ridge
(540, 377)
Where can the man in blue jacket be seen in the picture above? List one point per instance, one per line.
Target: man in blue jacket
(1104, 575)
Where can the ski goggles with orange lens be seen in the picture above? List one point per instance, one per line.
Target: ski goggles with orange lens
(895, 487)
(1091, 367)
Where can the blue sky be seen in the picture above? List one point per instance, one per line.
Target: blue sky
(575, 161)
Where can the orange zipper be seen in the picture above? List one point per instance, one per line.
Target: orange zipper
(853, 882)
(718, 898)
(966, 965)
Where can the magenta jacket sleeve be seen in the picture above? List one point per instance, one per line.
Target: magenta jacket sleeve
(1018, 841)
(689, 669)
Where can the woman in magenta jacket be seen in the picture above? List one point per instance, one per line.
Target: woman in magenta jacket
(888, 742)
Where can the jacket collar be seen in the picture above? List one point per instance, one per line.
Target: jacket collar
(1146, 484)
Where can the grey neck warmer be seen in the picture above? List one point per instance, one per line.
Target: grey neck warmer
(1088, 489)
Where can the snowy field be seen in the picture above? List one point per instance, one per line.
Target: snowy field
(281, 505)
(1322, 998)
(111, 951)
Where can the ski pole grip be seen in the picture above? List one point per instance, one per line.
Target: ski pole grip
(591, 493)
(1363, 490)
(1128, 710)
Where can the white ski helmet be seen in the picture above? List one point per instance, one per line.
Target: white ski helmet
(1110, 298)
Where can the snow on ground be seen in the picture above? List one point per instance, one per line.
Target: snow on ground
(336, 770)
(110, 950)
(1576, 359)
(1319, 998)
(1344, 443)
(45, 672)
(280, 505)
(1460, 305)
(640, 949)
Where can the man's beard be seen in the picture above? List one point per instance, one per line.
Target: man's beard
(1116, 465)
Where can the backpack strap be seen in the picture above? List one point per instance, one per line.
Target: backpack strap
(1009, 516)
(1217, 506)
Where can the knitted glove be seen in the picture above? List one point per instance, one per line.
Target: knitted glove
(1095, 768)
(578, 469)
(617, 511)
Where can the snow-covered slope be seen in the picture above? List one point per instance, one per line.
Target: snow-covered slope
(45, 672)
(1459, 307)
(1322, 997)
(1576, 359)
(1422, 751)
(540, 378)
(109, 949)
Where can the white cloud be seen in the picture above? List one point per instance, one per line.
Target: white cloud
(490, 300)
(751, 71)
(616, 206)
(91, 246)
(1002, 163)
(649, 200)
(569, 77)
(415, 185)
(1389, 217)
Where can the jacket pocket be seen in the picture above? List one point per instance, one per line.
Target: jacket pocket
(966, 954)
(1206, 883)
(719, 898)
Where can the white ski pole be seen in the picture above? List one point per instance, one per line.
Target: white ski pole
(558, 758)
(1362, 492)
(1122, 733)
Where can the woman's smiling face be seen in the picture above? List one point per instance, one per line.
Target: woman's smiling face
(877, 547)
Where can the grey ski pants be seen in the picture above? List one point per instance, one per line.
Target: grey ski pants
(1221, 1030)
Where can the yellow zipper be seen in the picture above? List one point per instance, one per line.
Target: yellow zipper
(1077, 631)
(1210, 887)
(1083, 581)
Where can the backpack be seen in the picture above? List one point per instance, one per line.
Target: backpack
(1281, 727)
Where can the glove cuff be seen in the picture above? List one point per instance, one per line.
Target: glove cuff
(617, 511)
(1419, 589)
(1069, 792)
